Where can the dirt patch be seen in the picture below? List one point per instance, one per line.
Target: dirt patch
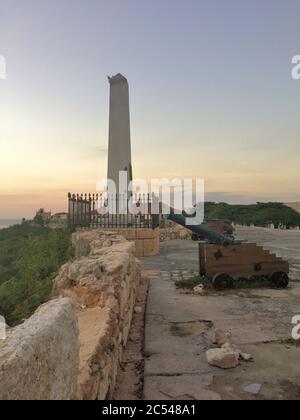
(291, 390)
(130, 380)
(183, 329)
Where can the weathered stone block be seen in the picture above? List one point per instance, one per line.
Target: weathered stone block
(39, 359)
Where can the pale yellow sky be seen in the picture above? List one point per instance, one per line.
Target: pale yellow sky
(39, 175)
(42, 159)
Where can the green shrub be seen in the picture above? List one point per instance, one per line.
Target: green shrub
(259, 214)
(29, 261)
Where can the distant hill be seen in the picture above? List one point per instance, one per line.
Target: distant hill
(295, 206)
(260, 214)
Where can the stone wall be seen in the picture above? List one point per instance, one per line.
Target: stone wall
(71, 348)
(102, 282)
(175, 231)
(39, 359)
(147, 241)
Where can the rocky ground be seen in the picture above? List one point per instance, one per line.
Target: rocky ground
(180, 328)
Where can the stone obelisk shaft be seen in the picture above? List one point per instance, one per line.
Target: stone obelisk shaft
(119, 149)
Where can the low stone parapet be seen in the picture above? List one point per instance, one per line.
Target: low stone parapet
(39, 359)
(102, 282)
(147, 241)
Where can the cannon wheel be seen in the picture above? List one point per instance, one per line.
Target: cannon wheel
(222, 281)
(279, 279)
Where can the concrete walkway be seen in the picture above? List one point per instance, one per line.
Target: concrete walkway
(180, 327)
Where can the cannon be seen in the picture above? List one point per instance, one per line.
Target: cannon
(223, 259)
(201, 230)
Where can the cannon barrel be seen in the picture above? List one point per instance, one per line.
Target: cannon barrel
(215, 237)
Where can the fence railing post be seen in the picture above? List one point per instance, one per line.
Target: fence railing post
(97, 210)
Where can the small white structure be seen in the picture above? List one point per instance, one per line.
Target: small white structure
(2, 328)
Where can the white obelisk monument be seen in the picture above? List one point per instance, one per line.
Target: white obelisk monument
(119, 147)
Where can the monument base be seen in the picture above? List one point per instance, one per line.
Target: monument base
(147, 241)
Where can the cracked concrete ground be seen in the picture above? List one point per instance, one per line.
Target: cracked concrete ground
(180, 325)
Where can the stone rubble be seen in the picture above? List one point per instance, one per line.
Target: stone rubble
(223, 358)
(227, 355)
(199, 290)
(138, 310)
(222, 337)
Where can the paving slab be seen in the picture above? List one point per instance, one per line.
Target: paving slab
(183, 387)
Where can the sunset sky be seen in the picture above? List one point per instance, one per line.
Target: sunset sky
(211, 96)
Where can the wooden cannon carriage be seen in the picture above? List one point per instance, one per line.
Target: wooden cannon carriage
(225, 264)
(223, 259)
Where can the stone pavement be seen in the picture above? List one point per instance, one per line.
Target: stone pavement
(175, 343)
(285, 243)
(180, 326)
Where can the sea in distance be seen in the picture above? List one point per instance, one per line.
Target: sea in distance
(5, 223)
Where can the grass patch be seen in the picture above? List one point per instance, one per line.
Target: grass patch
(188, 284)
(241, 283)
(291, 342)
(253, 283)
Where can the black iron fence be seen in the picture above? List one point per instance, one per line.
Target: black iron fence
(112, 211)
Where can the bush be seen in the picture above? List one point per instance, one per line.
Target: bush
(260, 214)
(29, 261)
